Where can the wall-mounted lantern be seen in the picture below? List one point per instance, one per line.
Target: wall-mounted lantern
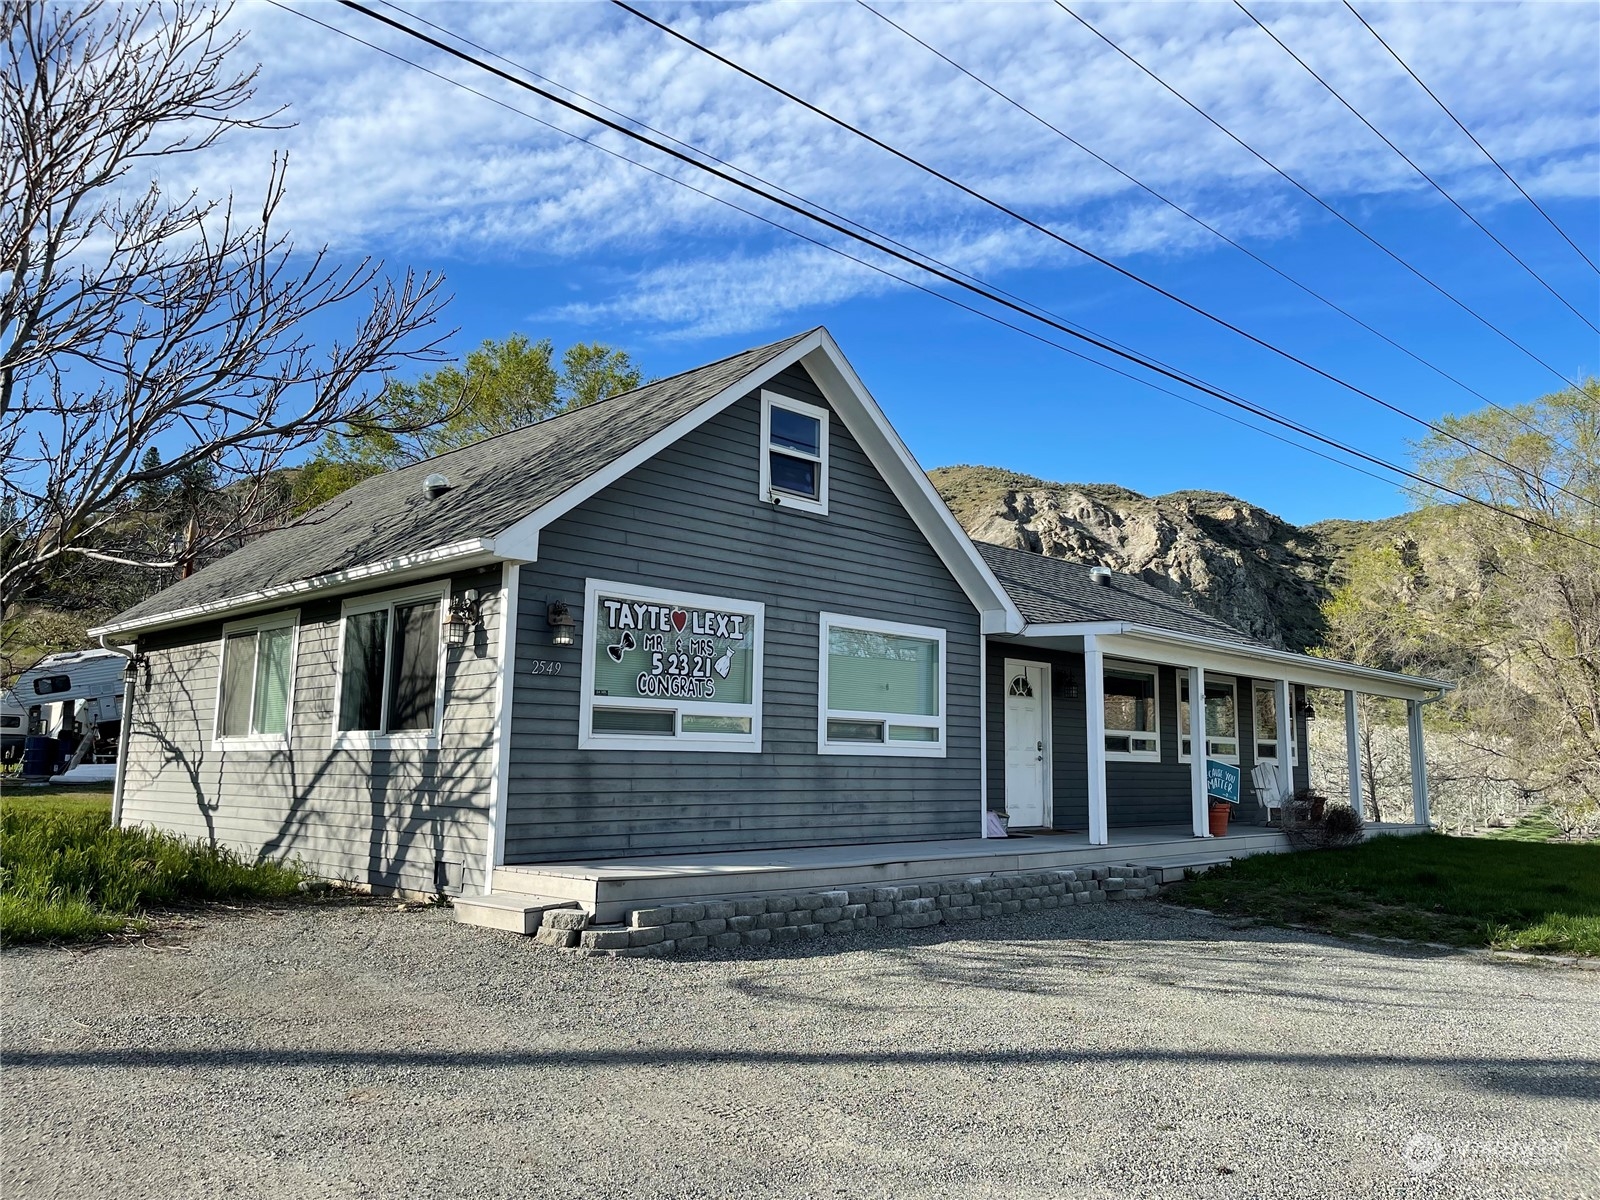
(563, 629)
(464, 618)
(1307, 711)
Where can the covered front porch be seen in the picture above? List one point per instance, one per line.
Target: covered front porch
(1090, 729)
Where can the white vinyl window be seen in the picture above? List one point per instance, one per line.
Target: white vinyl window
(1222, 719)
(670, 670)
(1266, 722)
(881, 688)
(1132, 728)
(794, 453)
(255, 682)
(391, 669)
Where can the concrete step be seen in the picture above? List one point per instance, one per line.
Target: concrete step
(509, 911)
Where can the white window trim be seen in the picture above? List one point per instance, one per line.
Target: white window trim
(1255, 725)
(257, 741)
(406, 739)
(885, 748)
(790, 499)
(1144, 756)
(1233, 682)
(678, 741)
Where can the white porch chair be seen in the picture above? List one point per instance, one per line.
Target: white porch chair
(1270, 791)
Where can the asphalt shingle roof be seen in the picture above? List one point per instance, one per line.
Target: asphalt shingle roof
(494, 484)
(1049, 591)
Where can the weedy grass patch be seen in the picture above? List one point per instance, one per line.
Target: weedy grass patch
(1500, 893)
(67, 875)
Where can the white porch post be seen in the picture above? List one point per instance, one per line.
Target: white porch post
(1419, 764)
(983, 735)
(1284, 698)
(1352, 753)
(1197, 752)
(1094, 700)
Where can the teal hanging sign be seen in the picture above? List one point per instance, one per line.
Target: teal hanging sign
(1222, 781)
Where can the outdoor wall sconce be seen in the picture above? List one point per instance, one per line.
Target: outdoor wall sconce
(1307, 711)
(464, 618)
(1072, 689)
(563, 629)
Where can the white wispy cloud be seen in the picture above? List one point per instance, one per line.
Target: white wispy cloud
(385, 158)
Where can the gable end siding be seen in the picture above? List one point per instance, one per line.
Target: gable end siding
(691, 519)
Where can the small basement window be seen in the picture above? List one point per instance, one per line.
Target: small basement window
(391, 668)
(668, 670)
(794, 453)
(1130, 713)
(256, 683)
(881, 689)
(1222, 719)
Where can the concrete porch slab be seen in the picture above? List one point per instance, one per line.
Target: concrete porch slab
(508, 911)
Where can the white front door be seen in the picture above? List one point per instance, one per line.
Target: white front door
(1027, 744)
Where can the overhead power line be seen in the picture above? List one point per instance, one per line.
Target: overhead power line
(1432, 485)
(1173, 204)
(1318, 200)
(1412, 163)
(1444, 108)
(998, 206)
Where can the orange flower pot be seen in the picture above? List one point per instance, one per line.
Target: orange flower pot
(1219, 815)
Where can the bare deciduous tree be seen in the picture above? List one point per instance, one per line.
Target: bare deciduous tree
(132, 319)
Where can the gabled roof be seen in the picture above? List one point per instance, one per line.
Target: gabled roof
(1053, 591)
(505, 489)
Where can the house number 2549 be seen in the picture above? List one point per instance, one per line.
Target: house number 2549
(545, 666)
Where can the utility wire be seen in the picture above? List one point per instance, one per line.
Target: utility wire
(1432, 485)
(1311, 195)
(1440, 430)
(1200, 221)
(1412, 163)
(1406, 67)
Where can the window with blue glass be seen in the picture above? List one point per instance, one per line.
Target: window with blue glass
(794, 450)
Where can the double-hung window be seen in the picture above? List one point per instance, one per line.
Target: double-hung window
(1132, 733)
(882, 688)
(794, 453)
(256, 681)
(669, 670)
(1222, 719)
(1266, 720)
(390, 660)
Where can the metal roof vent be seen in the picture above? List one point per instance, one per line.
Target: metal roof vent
(1101, 575)
(435, 485)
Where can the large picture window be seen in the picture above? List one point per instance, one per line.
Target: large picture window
(794, 453)
(881, 688)
(1266, 721)
(1222, 719)
(670, 670)
(255, 682)
(390, 668)
(1132, 731)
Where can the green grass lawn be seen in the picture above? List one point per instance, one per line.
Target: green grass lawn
(1504, 893)
(1535, 826)
(66, 875)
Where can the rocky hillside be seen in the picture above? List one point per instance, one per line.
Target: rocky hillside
(1229, 557)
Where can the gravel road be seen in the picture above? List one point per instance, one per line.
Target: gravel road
(1129, 1050)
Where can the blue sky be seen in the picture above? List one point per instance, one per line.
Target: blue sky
(544, 235)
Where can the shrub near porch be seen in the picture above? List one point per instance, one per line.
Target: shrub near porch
(1460, 891)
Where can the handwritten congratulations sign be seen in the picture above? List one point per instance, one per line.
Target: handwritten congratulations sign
(649, 650)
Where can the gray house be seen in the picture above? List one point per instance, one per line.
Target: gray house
(722, 615)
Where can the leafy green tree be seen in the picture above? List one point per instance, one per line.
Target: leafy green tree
(502, 386)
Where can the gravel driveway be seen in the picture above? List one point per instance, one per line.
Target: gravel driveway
(1123, 1050)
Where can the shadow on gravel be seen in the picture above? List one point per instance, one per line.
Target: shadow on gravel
(1555, 1078)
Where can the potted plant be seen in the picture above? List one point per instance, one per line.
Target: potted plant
(1220, 811)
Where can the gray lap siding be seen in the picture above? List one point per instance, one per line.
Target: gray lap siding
(690, 519)
(1137, 793)
(411, 819)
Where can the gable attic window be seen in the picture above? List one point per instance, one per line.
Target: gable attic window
(255, 683)
(391, 669)
(794, 453)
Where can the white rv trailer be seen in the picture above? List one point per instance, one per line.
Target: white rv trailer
(72, 695)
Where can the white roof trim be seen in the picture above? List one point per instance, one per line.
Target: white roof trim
(349, 578)
(1300, 668)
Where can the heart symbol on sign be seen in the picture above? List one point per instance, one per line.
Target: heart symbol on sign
(679, 619)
